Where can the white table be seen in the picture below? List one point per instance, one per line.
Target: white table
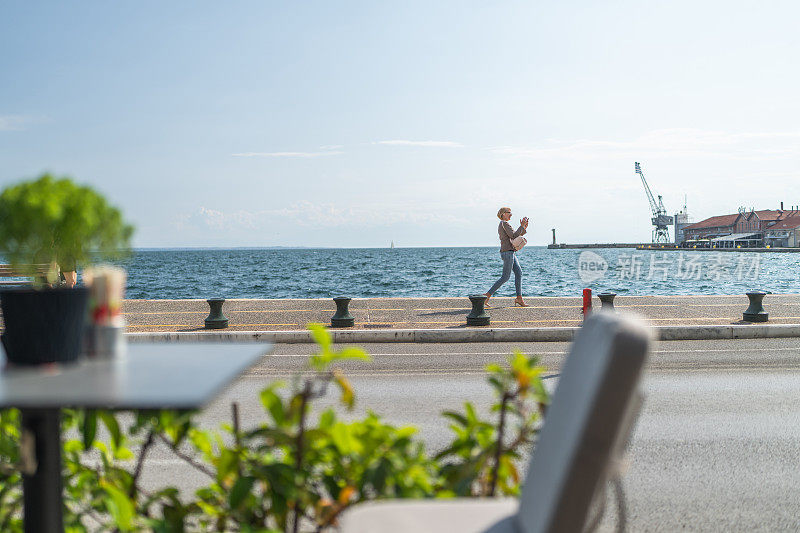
(149, 376)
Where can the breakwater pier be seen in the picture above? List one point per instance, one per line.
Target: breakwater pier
(719, 249)
(670, 246)
(561, 246)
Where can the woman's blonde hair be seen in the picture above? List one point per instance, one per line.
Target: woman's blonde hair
(503, 210)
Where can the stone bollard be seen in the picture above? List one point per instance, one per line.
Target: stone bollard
(607, 300)
(215, 319)
(342, 318)
(755, 313)
(478, 315)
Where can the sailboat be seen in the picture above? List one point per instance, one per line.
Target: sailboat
(391, 247)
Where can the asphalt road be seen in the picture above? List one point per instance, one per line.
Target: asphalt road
(716, 447)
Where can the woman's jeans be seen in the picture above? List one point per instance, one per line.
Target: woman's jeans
(510, 262)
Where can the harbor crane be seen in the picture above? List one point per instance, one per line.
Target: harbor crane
(660, 218)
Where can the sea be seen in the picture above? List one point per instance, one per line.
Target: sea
(452, 272)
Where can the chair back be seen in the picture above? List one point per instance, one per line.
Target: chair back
(590, 417)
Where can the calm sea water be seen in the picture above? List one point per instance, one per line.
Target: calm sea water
(413, 272)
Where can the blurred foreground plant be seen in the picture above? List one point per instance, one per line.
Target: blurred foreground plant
(56, 222)
(10, 477)
(287, 473)
(482, 456)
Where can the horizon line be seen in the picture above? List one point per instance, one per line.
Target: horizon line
(153, 248)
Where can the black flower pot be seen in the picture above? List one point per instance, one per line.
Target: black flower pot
(43, 326)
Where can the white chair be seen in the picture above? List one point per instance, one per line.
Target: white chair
(586, 428)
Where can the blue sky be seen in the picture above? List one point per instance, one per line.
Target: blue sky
(358, 123)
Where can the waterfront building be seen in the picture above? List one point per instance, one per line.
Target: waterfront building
(785, 233)
(681, 221)
(700, 233)
(745, 229)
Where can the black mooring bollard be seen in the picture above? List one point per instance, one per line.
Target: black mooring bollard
(756, 313)
(607, 300)
(478, 315)
(215, 319)
(342, 318)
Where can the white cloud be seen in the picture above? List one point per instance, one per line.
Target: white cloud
(288, 154)
(205, 218)
(677, 142)
(432, 144)
(315, 215)
(307, 213)
(13, 122)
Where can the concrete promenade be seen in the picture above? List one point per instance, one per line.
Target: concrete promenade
(444, 319)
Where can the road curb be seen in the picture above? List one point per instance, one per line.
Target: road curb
(565, 334)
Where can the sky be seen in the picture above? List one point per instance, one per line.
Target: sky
(358, 124)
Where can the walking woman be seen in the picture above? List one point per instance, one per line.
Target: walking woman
(510, 261)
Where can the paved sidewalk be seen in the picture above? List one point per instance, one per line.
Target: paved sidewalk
(447, 313)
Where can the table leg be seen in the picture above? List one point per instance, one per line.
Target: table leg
(42, 490)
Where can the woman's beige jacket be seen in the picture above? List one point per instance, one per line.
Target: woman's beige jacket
(507, 233)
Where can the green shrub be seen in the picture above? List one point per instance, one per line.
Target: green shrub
(289, 473)
(10, 477)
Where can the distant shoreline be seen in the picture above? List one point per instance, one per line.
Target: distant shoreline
(207, 248)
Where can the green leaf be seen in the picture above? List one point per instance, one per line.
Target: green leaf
(458, 417)
(113, 428)
(202, 442)
(327, 419)
(181, 431)
(105, 454)
(348, 397)
(119, 506)
(519, 363)
(511, 467)
(89, 428)
(344, 440)
(73, 446)
(208, 509)
(240, 491)
(295, 408)
(121, 454)
(472, 415)
(494, 367)
(166, 419)
(353, 353)
(274, 404)
(227, 465)
(341, 438)
(273, 437)
(321, 336)
(405, 432)
(496, 384)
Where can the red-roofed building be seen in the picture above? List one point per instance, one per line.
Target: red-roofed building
(784, 233)
(711, 227)
(746, 228)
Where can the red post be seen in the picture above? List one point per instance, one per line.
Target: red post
(587, 302)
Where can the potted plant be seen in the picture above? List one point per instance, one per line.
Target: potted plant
(55, 222)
